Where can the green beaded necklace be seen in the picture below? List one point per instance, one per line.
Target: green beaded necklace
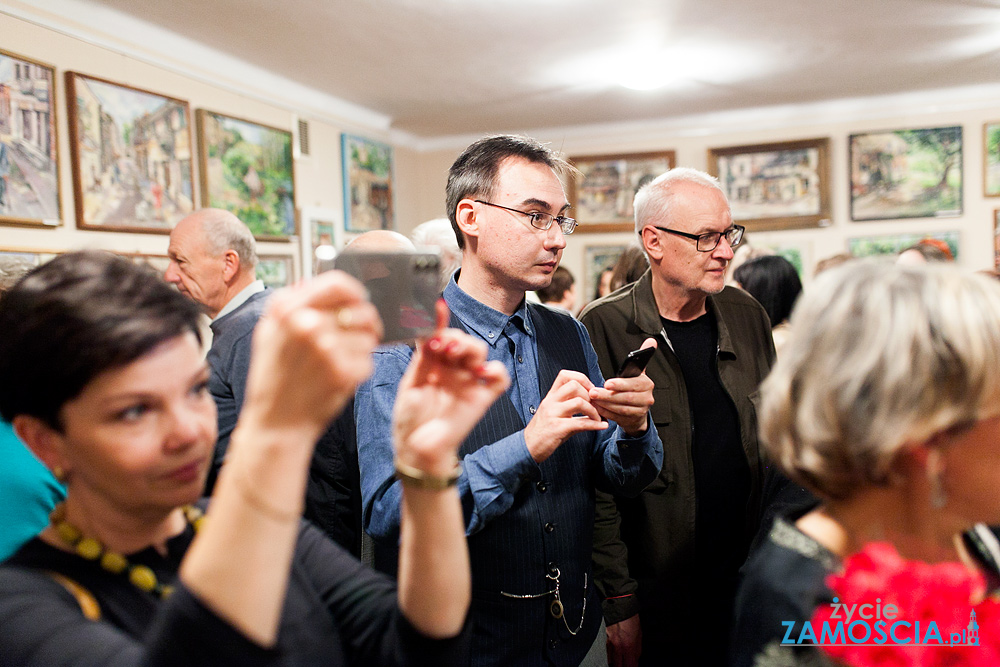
(140, 576)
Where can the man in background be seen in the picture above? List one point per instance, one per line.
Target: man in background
(667, 562)
(213, 260)
(561, 292)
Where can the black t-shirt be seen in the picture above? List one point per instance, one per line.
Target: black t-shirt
(721, 472)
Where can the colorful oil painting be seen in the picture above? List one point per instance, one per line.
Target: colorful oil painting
(368, 194)
(247, 168)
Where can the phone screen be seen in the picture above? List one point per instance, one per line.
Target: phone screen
(403, 287)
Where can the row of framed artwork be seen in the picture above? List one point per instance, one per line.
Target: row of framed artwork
(910, 173)
(132, 160)
(274, 270)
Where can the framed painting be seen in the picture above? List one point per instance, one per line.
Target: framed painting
(29, 164)
(906, 174)
(276, 270)
(991, 159)
(893, 244)
(322, 236)
(15, 262)
(247, 169)
(597, 258)
(784, 185)
(131, 152)
(601, 193)
(368, 193)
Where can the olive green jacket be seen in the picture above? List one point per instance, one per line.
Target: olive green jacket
(645, 545)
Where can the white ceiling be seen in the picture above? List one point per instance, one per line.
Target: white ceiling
(448, 67)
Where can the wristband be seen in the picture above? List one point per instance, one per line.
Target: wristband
(419, 479)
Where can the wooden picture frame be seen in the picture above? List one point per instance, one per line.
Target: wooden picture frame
(247, 168)
(131, 156)
(778, 185)
(29, 143)
(601, 194)
(368, 184)
(906, 174)
(991, 159)
(996, 239)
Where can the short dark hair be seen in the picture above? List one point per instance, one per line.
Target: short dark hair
(773, 281)
(73, 318)
(631, 264)
(474, 172)
(562, 281)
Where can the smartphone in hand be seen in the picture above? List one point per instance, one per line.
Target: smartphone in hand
(635, 362)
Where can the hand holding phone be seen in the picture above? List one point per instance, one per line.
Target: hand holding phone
(635, 362)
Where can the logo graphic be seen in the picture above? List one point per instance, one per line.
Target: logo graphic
(874, 625)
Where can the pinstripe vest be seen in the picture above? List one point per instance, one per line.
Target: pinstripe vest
(549, 526)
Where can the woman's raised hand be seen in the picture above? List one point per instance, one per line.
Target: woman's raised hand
(444, 393)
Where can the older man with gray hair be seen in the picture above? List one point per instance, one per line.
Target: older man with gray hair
(213, 260)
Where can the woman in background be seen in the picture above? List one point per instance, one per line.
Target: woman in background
(885, 404)
(774, 282)
(112, 390)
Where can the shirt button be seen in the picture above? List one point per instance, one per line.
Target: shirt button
(531, 409)
(553, 644)
(490, 335)
(549, 527)
(520, 359)
(552, 569)
(542, 487)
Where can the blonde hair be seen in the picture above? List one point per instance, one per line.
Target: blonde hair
(881, 355)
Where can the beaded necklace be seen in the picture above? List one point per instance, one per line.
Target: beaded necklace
(140, 576)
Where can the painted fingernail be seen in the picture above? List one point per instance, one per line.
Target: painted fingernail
(434, 344)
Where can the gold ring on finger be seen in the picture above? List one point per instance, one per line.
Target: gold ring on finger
(345, 318)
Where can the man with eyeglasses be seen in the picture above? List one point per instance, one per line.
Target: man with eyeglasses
(530, 467)
(667, 561)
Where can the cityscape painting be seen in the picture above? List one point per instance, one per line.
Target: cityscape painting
(775, 186)
(131, 156)
(29, 168)
(602, 190)
(246, 168)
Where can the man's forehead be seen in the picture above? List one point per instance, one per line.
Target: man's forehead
(525, 181)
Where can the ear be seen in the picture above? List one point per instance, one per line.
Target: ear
(47, 444)
(465, 216)
(231, 265)
(651, 242)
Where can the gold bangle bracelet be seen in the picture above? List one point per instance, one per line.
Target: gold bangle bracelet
(419, 479)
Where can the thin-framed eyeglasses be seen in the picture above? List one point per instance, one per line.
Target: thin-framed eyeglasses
(710, 240)
(539, 220)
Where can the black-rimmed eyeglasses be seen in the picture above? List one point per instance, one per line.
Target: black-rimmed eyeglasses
(539, 220)
(710, 241)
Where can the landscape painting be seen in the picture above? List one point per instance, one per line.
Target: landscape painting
(29, 166)
(368, 184)
(893, 244)
(906, 174)
(246, 168)
(131, 156)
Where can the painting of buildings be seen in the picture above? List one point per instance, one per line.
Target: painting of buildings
(131, 156)
(368, 195)
(29, 174)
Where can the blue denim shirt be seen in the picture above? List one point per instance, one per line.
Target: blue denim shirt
(492, 474)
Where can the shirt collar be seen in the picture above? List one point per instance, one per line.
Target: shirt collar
(486, 322)
(240, 299)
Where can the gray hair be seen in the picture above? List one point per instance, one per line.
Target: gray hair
(652, 201)
(223, 231)
(880, 355)
(474, 172)
(438, 234)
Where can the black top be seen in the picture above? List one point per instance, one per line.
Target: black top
(722, 477)
(337, 612)
(784, 580)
